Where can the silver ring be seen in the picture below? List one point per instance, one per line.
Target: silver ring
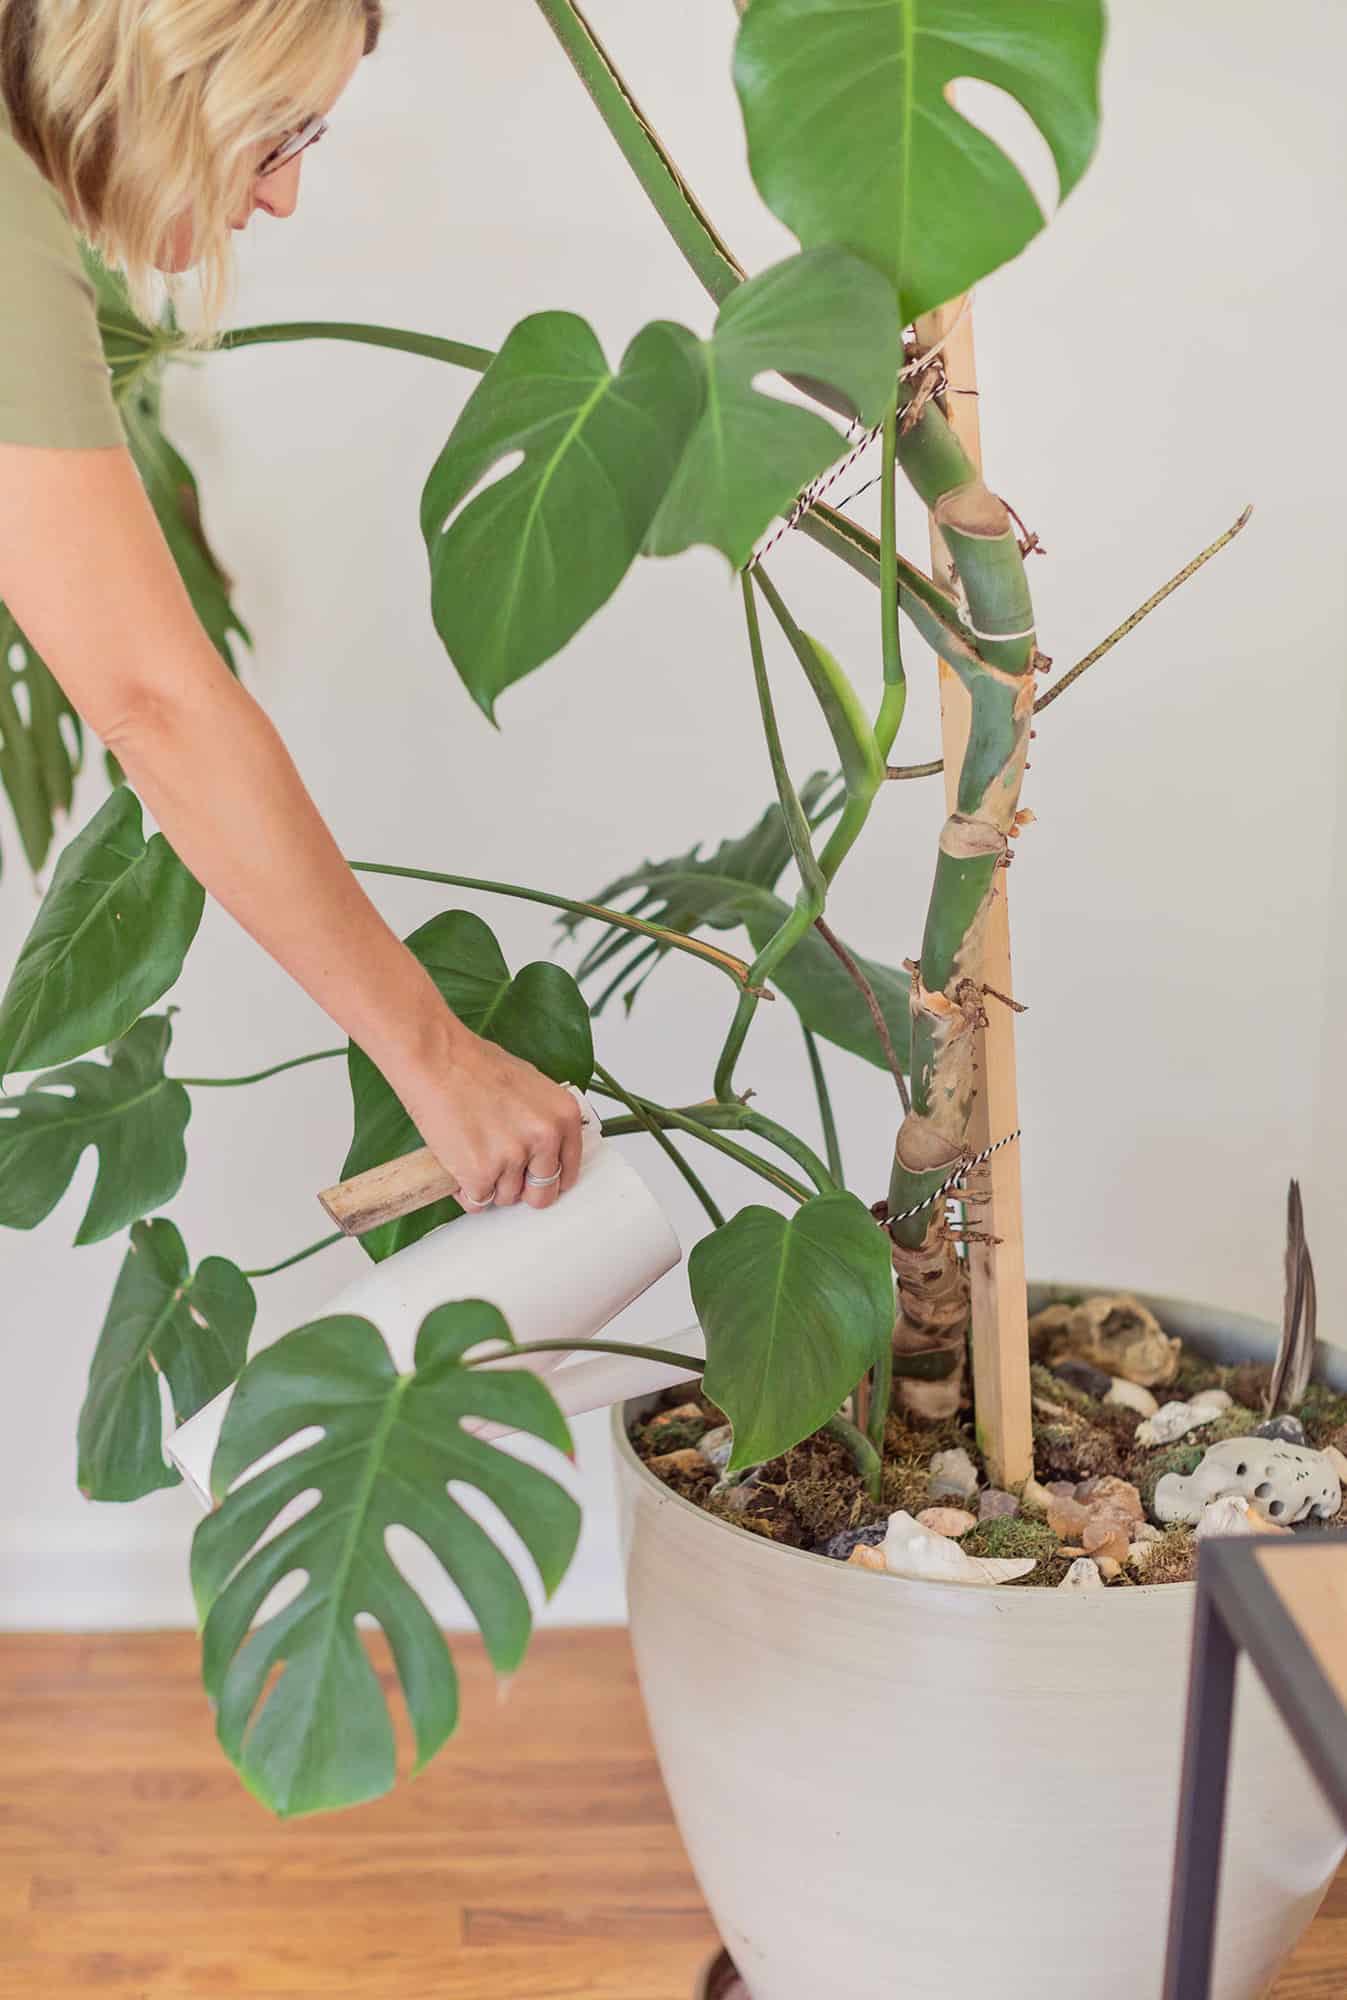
(467, 1201)
(538, 1180)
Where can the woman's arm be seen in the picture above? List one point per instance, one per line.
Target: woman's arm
(86, 572)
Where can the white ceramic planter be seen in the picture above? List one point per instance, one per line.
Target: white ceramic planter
(893, 1790)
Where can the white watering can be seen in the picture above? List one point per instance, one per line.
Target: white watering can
(559, 1273)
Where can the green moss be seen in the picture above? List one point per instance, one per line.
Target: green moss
(906, 1485)
(1323, 1414)
(1013, 1536)
(1232, 1423)
(652, 1439)
(1181, 1458)
(1045, 1383)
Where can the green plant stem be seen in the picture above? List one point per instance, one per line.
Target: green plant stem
(688, 1361)
(812, 895)
(782, 1137)
(456, 352)
(261, 1076)
(725, 961)
(705, 1122)
(866, 1458)
(881, 1396)
(664, 1142)
(894, 703)
(832, 1145)
(674, 202)
(299, 1257)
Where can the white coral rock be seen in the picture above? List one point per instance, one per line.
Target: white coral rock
(1084, 1574)
(910, 1551)
(1173, 1421)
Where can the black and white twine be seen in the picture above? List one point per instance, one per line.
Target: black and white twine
(964, 1168)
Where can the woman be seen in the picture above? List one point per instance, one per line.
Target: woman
(155, 128)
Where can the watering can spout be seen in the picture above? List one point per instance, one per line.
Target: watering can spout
(561, 1273)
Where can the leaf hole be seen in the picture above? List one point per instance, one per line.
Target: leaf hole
(502, 469)
(23, 701)
(17, 657)
(278, 1599)
(1004, 120)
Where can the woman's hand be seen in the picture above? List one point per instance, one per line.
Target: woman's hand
(490, 1119)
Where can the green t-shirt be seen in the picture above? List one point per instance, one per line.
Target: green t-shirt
(54, 385)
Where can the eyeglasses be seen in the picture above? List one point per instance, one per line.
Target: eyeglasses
(289, 148)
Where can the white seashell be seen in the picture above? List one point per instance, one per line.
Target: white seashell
(1082, 1575)
(1211, 1399)
(1132, 1396)
(1173, 1421)
(1227, 1516)
(910, 1551)
(1285, 1483)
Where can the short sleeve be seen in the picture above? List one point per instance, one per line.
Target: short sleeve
(54, 384)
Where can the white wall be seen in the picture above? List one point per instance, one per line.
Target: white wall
(1166, 353)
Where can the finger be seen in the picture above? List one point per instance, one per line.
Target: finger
(510, 1185)
(473, 1202)
(572, 1141)
(546, 1169)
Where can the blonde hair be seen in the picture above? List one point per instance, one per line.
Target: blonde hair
(139, 111)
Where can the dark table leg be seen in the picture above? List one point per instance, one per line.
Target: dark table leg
(1201, 1831)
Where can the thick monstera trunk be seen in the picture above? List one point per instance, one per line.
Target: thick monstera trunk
(948, 994)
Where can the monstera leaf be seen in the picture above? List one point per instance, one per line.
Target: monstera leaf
(41, 743)
(518, 571)
(852, 139)
(828, 1000)
(753, 860)
(390, 1447)
(733, 888)
(539, 1014)
(191, 1328)
(109, 940)
(824, 315)
(128, 1109)
(795, 1310)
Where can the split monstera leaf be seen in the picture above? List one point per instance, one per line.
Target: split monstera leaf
(674, 447)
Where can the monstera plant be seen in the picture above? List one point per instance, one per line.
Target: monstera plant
(899, 204)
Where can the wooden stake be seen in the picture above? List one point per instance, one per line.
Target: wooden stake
(999, 1299)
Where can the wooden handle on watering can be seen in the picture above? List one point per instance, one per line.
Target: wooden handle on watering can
(386, 1193)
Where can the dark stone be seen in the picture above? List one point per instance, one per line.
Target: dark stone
(994, 1505)
(1285, 1429)
(840, 1545)
(1082, 1375)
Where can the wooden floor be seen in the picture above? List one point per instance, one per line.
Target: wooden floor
(536, 1860)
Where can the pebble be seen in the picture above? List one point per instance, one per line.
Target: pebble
(1108, 1567)
(953, 1473)
(951, 1521)
(1082, 1575)
(1140, 1554)
(1119, 1494)
(1067, 1518)
(993, 1505)
(1106, 1536)
(716, 1446)
(1284, 1429)
(1145, 1531)
(690, 1460)
(1337, 1460)
(1132, 1396)
(1034, 1496)
(864, 1557)
(685, 1413)
(841, 1545)
(1171, 1422)
(1062, 1489)
(1083, 1375)
(1211, 1399)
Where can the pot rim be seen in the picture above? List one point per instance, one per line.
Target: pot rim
(1240, 1330)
